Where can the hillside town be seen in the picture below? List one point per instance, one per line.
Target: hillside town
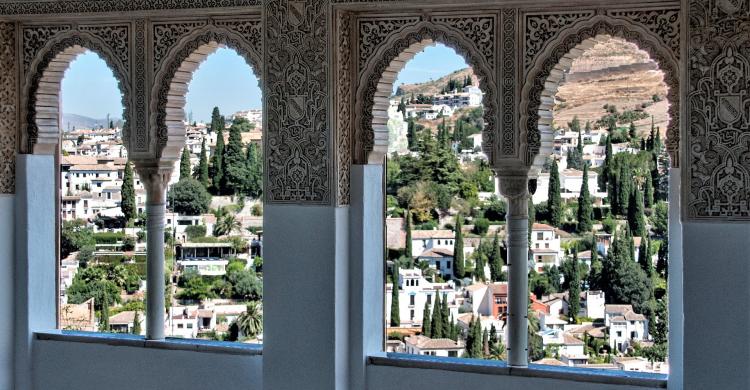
(597, 243)
(213, 236)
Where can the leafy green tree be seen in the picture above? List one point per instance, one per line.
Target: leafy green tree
(75, 236)
(585, 208)
(185, 164)
(632, 131)
(217, 121)
(189, 197)
(250, 322)
(217, 162)
(477, 348)
(574, 293)
(235, 164)
(395, 314)
(197, 289)
(660, 219)
(623, 279)
(554, 201)
(201, 171)
(535, 343)
(459, 267)
(127, 191)
(426, 325)
(254, 171)
(195, 231)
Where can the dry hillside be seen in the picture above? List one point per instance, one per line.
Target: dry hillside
(614, 72)
(433, 87)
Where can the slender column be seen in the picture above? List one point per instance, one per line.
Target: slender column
(155, 181)
(515, 190)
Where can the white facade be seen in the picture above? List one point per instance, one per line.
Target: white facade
(545, 246)
(414, 291)
(625, 326)
(422, 240)
(422, 345)
(469, 97)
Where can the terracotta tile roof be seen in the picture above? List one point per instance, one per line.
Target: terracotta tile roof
(542, 226)
(426, 234)
(123, 318)
(437, 252)
(423, 342)
(571, 340)
(499, 288)
(550, 362)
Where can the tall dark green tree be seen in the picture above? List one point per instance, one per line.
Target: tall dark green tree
(644, 257)
(426, 324)
(104, 317)
(128, 193)
(446, 316)
(201, 170)
(574, 292)
(585, 208)
(217, 121)
(554, 201)
(648, 193)
(437, 318)
(606, 175)
(497, 262)
(217, 162)
(395, 313)
(254, 179)
(409, 250)
(459, 267)
(636, 218)
(595, 271)
(235, 165)
(623, 279)
(137, 323)
(632, 131)
(624, 186)
(185, 164)
(411, 134)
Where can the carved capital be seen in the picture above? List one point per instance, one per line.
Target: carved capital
(516, 190)
(155, 180)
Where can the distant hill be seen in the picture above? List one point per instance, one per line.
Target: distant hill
(435, 86)
(71, 121)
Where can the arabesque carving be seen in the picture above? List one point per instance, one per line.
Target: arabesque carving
(8, 111)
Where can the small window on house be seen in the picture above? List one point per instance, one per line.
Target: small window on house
(411, 300)
(539, 236)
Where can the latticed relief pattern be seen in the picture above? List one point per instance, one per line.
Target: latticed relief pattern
(297, 148)
(718, 109)
(455, 32)
(509, 75)
(344, 99)
(106, 41)
(244, 36)
(138, 140)
(372, 32)
(565, 40)
(542, 28)
(19, 7)
(8, 96)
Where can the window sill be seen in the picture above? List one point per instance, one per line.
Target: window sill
(174, 344)
(493, 367)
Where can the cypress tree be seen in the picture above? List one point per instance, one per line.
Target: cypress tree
(127, 191)
(648, 193)
(254, 179)
(644, 257)
(426, 325)
(493, 335)
(445, 316)
(636, 219)
(469, 347)
(585, 209)
(554, 201)
(137, 323)
(479, 267)
(234, 163)
(606, 175)
(395, 313)
(595, 271)
(437, 321)
(185, 164)
(411, 134)
(409, 250)
(105, 312)
(662, 262)
(201, 171)
(623, 190)
(485, 343)
(217, 121)
(579, 147)
(532, 216)
(497, 260)
(632, 131)
(217, 162)
(458, 252)
(574, 292)
(476, 340)
(454, 330)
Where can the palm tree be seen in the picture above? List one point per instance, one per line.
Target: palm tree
(227, 225)
(250, 323)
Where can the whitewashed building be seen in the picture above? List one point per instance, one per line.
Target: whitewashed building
(414, 291)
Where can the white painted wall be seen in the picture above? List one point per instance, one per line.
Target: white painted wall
(69, 365)
(389, 378)
(6, 288)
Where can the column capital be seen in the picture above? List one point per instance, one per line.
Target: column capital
(155, 179)
(514, 187)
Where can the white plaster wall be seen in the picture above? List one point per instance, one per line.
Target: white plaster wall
(389, 378)
(6, 289)
(716, 266)
(81, 366)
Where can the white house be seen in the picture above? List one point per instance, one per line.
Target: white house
(545, 246)
(208, 259)
(625, 326)
(414, 291)
(469, 97)
(423, 345)
(422, 240)
(592, 304)
(563, 343)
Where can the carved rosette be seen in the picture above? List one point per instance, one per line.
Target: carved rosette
(563, 42)
(298, 140)
(105, 40)
(174, 42)
(717, 181)
(8, 98)
(454, 32)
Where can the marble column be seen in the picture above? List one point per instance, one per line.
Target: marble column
(515, 190)
(155, 180)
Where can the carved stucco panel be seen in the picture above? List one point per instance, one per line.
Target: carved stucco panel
(344, 111)
(296, 98)
(507, 143)
(8, 111)
(88, 6)
(717, 185)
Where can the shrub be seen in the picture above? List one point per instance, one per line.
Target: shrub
(195, 231)
(481, 225)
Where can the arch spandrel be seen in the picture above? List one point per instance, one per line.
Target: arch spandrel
(377, 78)
(543, 78)
(176, 71)
(40, 130)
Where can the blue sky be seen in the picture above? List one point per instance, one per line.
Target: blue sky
(224, 80)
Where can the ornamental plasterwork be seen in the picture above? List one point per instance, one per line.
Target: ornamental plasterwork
(472, 36)
(547, 55)
(344, 108)
(137, 141)
(165, 36)
(509, 106)
(296, 87)
(105, 40)
(186, 41)
(372, 32)
(23, 7)
(540, 29)
(717, 181)
(8, 112)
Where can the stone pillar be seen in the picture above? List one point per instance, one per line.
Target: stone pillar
(155, 180)
(515, 190)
